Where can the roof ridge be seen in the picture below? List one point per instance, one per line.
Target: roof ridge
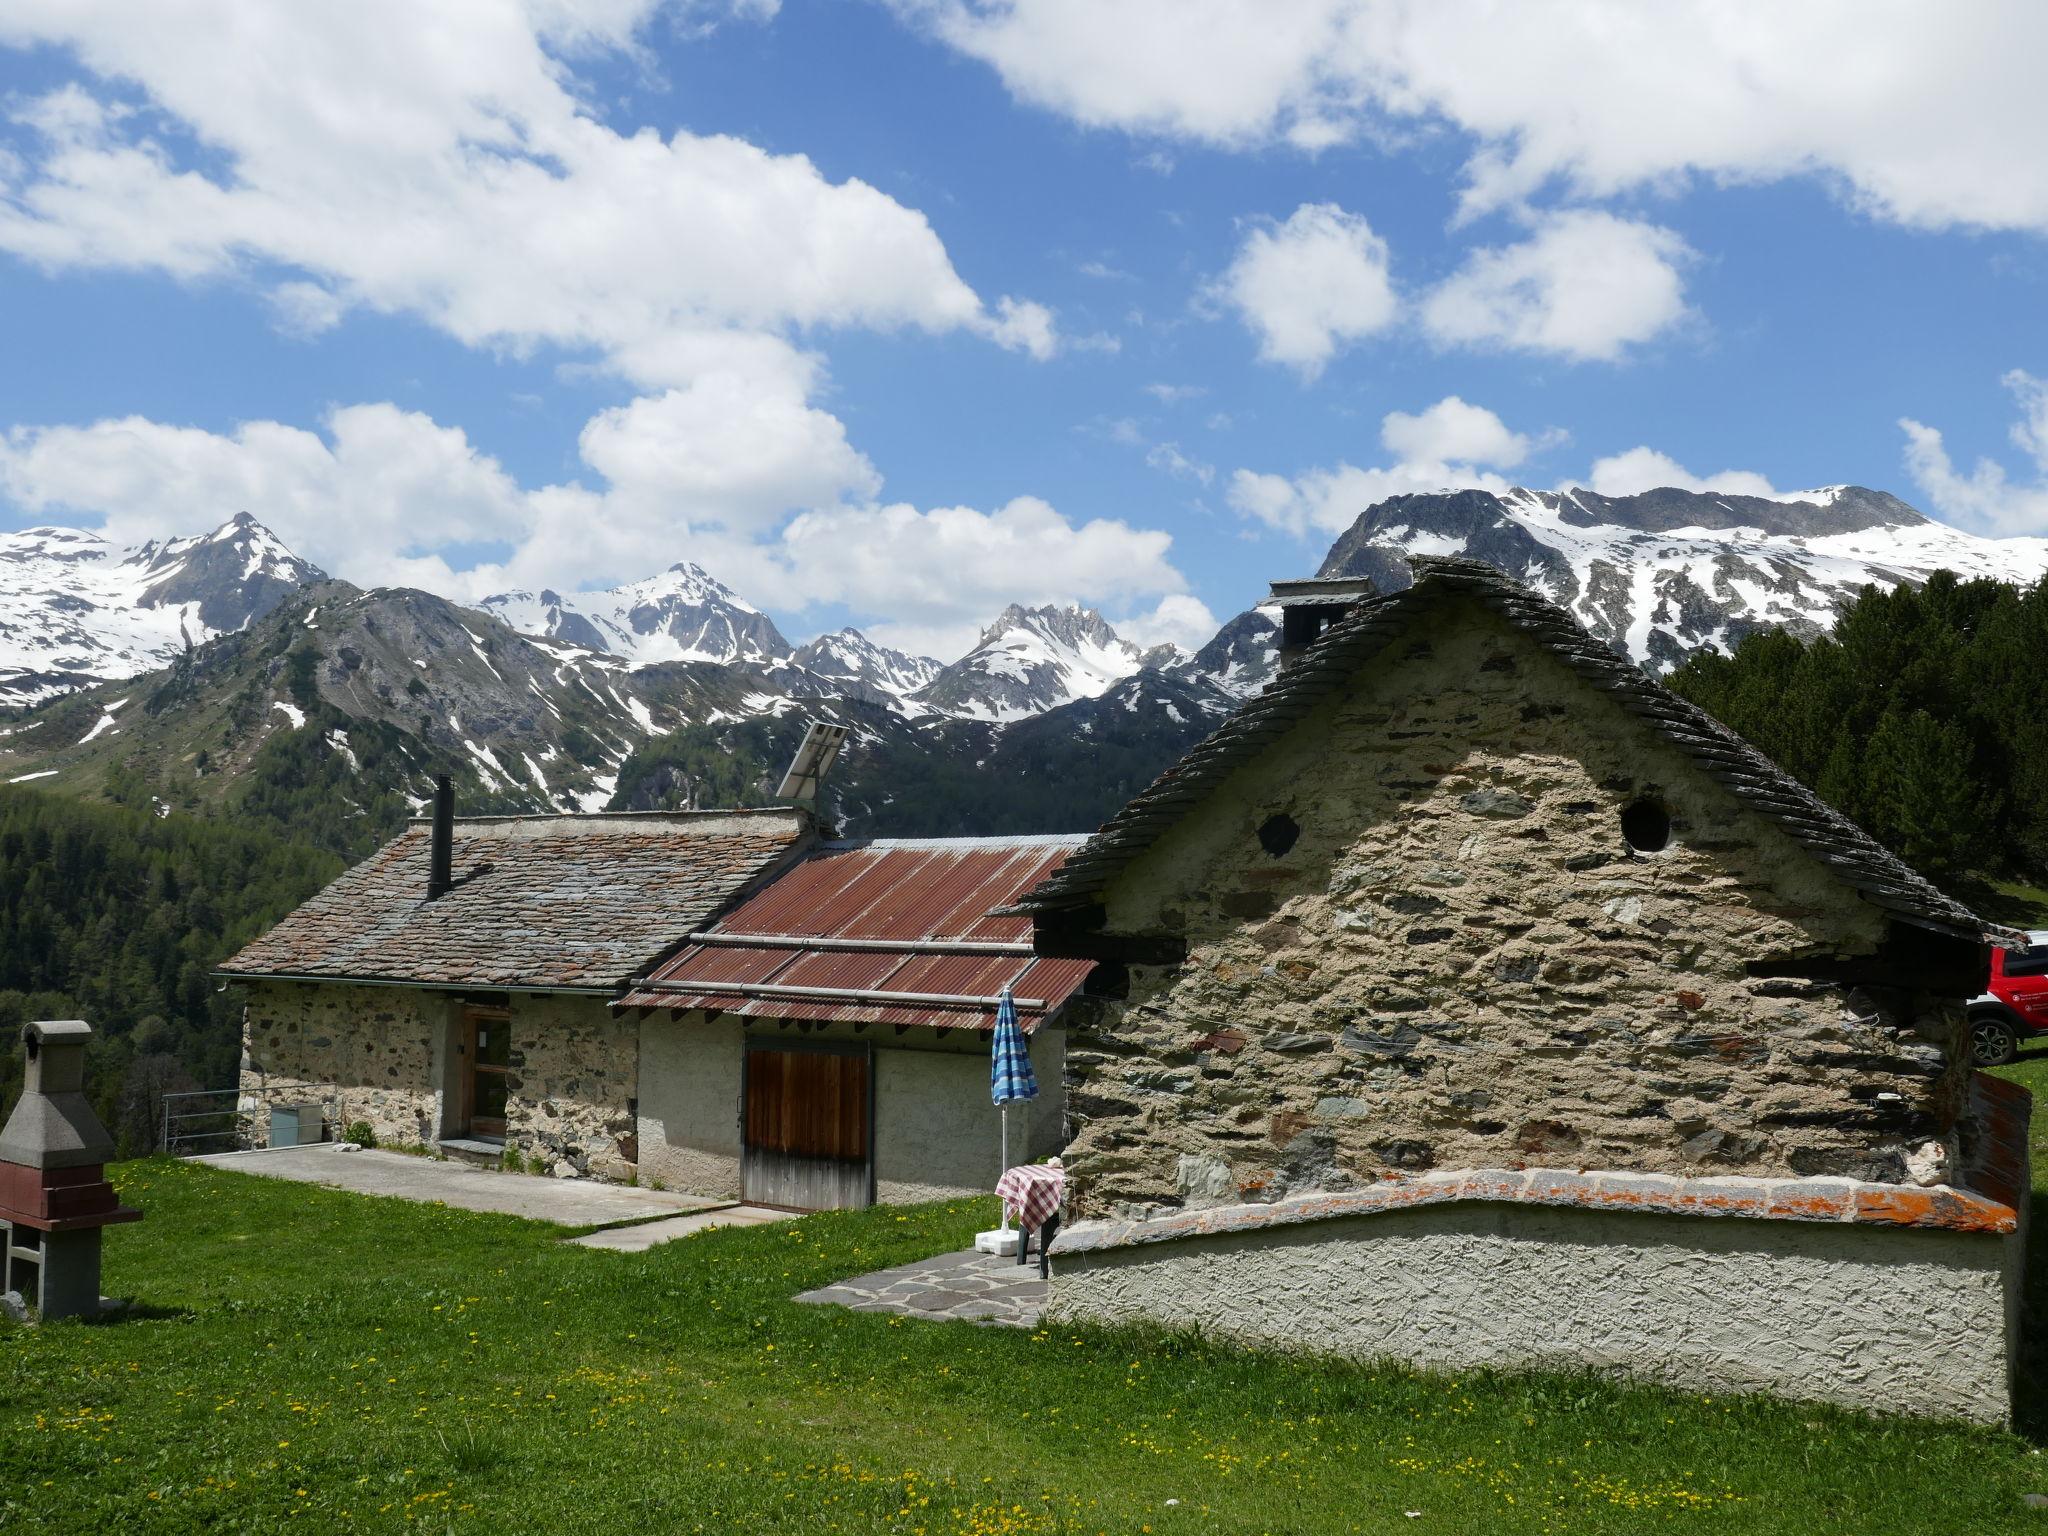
(1850, 853)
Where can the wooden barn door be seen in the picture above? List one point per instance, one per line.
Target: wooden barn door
(807, 1141)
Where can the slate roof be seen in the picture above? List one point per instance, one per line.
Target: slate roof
(917, 919)
(539, 901)
(1838, 843)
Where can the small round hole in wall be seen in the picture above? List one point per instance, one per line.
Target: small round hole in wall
(1278, 833)
(1646, 826)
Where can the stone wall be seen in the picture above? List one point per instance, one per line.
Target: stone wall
(1809, 1310)
(573, 1085)
(935, 1133)
(1443, 953)
(373, 1053)
(382, 1054)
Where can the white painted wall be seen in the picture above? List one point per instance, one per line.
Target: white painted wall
(1887, 1319)
(689, 1115)
(936, 1133)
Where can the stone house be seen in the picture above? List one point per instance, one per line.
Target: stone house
(1470, 999)
(464, 989)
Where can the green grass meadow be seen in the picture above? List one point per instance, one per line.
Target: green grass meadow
(306, 1359)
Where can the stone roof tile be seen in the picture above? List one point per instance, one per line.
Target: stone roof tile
(538, 901)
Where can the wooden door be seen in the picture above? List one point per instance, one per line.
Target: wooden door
(487, 1048)
(806, 1136)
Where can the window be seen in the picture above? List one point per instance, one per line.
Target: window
(1646, 826)
(1278, 833)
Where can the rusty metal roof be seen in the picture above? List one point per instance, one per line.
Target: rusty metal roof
(586, 902)
(896, 931)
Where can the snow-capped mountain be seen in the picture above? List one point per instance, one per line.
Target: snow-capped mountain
(1032, 659)
(849, 656)
(1241, 659)
(684, 614)
(1666, 573)
(76, 609)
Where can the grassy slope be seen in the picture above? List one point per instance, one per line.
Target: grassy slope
(318, 1359)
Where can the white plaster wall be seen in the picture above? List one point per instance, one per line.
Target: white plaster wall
(1883, 1319)
(936, 1133)
(689, 1119)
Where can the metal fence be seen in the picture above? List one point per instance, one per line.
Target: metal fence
(230, 1119)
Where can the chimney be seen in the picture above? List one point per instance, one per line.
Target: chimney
(1310, 606)
(441, 858)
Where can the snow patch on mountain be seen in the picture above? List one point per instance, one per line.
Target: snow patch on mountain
(76, 609)
(684, 614)
(1031, 660)
(1667, 573)
(850, 656)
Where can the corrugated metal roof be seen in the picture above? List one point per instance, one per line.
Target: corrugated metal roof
(880, 918)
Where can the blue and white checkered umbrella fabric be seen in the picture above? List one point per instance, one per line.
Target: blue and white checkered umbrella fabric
(1009, 1063)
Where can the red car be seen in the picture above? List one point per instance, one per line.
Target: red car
(2016, 1007)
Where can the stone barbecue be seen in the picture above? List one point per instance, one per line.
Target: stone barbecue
(54, 1196)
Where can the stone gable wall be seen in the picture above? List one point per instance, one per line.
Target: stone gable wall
(1459, 962)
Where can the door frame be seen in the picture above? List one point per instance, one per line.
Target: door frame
(472, 1015)
(750, 1043)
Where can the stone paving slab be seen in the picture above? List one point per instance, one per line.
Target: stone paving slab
(567, 1202)
(978, 1287)
(641, 1236)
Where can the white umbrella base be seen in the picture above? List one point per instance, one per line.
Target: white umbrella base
(1003, 1243)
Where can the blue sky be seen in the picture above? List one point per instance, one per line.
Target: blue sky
(894, 312)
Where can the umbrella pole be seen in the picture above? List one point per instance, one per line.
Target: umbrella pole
(1006, 1161)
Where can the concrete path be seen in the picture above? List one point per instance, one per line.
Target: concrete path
(568, 1202)
(980, 1287)
(644, 1235)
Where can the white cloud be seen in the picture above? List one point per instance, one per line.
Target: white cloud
(1311, 285)
(1985, 499)
(1168, 459)
(1452, 445)
(1909, 112)
(1645, 469)
(385, 496)
(367, 499)
(1173, 394)
(442, 165)
(1179, 619)
(939, 575)
(1586, 285)
(1452, 429)
(725, 453)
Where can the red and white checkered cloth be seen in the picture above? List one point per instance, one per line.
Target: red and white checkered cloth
(1031, 1193)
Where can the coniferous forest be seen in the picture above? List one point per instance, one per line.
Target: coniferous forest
(117, 917)
(1924, 718)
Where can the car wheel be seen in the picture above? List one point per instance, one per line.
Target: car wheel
(1993, 1041)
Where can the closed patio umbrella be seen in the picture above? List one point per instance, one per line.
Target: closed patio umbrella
(1009, 1072)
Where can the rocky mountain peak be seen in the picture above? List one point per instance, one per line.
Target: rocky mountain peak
(76, 609)
(682, 614)
(849, 656)
(1665, 573)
